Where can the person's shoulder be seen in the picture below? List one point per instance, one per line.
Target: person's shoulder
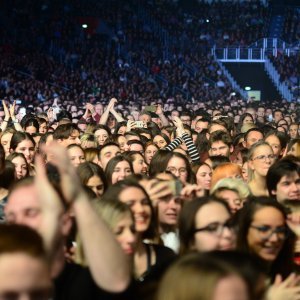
(163, 251)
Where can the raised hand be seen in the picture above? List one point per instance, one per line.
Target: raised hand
(288, 289)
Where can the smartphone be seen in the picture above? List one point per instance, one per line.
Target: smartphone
(151, 108)
(139, 124)
(18, 101)
(176, 187)
(22, 112)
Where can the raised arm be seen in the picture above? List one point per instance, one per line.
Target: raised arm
(6, 116)
(17, 125)
(107, 262)
(104, 117)
(161, 115)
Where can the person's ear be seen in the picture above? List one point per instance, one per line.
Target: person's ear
(273, 192)
(231, 149)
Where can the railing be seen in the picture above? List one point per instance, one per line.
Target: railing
(233, 83)
(281, 86)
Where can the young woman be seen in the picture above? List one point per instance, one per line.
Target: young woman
(117, 169)
(76, 154)
(203, 176)
(205, 225)
(21, 166)
(202, 277)
(233, 191)
(101, 133)
(150, 150)
(148, 256)
(119, 218)
(138, 162)
(92, 176)
(5, 139)
(176, 163)
(260, 158)
(22, 142)
(263, 232)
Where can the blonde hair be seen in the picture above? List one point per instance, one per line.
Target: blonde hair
(250, 156)
(194, 276)
(112, 212)
(233, 184)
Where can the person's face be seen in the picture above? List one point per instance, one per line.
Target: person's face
(200, 125)
(99, 109)
(76, 156)
(121, 171)
(252, 112)
(231, 288)
(277, 116)
(23, 276)
(219, 148)
(82, 127)
(139, 205)
(43, 128)
(72, 139)
(5, 142)
(245, 171)
(159, 141)
(177, 167)
(122, 130)
(263, 243)
(248, 120)
(288, 187)
(123, 144)
(107, 154)
(139, 165)
(261, 112)
(186, 120)
(232, 198)
(168, 210)
(125, 234)
(27, 148)
(174, 113)
(293, 150)
(20, 167)
(145, 118)
(210, 216)
(203, 177)
(95, 183)
(31, 130)
(216, 127)
(136, 147)
(252, 138)
(274, 142)
(23, 207)
(149, 153)
(101, 136)
(261, 160)
(293, 131)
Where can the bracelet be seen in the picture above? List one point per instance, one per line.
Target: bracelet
(5, 121)
(15, 122)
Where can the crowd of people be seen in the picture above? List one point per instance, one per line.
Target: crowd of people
(285, 66)
(150, 200)
(126, 173)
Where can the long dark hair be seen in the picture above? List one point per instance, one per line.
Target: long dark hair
(113, 194)
(283, 264)
(160, 162)
(187, 218)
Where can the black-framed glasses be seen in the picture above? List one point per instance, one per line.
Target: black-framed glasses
(217, 228)
(265, 157)
(266, 231)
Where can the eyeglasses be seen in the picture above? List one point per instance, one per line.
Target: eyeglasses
(266, 231)
(265, 157)
(216, 228)
(174, 170)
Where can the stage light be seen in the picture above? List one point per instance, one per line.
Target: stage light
(84, 26)
(247, 88)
